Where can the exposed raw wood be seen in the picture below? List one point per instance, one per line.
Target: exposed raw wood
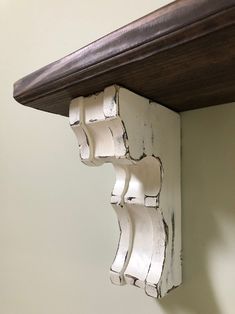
(182, 56)
(142, 141)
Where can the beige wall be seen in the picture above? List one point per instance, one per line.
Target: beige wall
(58, 232)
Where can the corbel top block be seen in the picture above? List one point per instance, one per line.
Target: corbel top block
(182, 56)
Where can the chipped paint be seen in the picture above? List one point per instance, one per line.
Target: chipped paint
(142, 141)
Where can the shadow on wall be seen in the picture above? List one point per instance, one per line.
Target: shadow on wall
(208, 188)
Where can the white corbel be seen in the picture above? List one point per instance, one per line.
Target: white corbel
(142, 140)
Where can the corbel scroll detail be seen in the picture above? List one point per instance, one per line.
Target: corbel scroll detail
(142, 140)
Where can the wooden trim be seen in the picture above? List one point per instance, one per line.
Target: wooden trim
(182, 55)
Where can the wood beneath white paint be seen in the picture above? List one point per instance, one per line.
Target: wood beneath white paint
(142, 140)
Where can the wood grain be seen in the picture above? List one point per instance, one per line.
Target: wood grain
(182, 56)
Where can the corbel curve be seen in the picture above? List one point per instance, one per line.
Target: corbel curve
(123, 128)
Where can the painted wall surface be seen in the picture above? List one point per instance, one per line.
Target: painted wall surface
(58, 233)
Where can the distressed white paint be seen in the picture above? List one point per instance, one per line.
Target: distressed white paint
(142, 141)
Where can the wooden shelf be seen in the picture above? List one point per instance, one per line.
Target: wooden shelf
(182, 56)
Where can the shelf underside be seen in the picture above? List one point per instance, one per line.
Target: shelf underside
(181, 56)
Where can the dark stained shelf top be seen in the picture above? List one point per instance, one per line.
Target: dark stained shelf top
(182, 56)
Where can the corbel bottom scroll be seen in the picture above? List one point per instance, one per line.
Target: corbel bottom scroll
(142, 141)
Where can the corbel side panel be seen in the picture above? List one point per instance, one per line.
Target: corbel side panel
(142, 140)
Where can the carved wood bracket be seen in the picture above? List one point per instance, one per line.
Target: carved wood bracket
(142, 140)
